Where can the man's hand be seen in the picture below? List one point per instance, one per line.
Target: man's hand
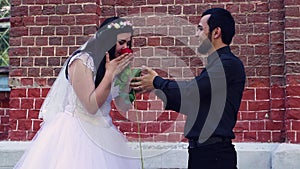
(145, 82)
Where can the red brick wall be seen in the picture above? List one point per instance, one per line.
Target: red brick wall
(292, 53)
(4, 115)
(43, 34)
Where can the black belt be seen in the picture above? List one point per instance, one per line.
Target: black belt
(212, 140)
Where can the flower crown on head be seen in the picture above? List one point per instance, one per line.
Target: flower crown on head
(119, 25)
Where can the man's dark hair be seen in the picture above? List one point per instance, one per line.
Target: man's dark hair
(221, 18)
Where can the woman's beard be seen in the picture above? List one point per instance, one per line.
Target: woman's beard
(206, 45)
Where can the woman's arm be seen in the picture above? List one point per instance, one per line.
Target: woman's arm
(81, 78)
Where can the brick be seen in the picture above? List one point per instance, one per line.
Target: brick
(264, 136)
(142, 105)
(20, 51)
(15, 41)
(45, 91)
(41, 41)
(175, 10)
(292, 102)
(30, 135)
(24, 124)
(293, 91)
(163, 116)
(17, 135)
(55, 1)
(169, 126)
(81, 40)
(42, 2)
(28, 41)
(27, 61)
(16, 21)
(292, 45)
(124, 126)
(34, 51)
(248, 94)
(42, 20)
(117, 116)
(48, 10)
(36, 125)
(292, 23)
(18, 72)
(190, 9)
(46, 72)
(17, 114)
(258, 82)
(47, 51)
(248, 115)
(277, 70)
(48, 30)
(61, 9)
(69, 40)
(35, 31)
(18, 31)
(55, 41)
(68, 20)
(88, 30)
(35, 10)
(175, 137)
(18, 92)
(242, 126)
(262, 94)
(76, 9)
(259, 105)
(33, 72)
(153, 2)
(277, 137)
(146, 52)
(40, 81)
(277, 115)
(250, 137)
(76, 30)
(153, 127)
(55, 20)
(15, 2)
(53, 61)
(274, 125)
(19, 11)
(27, 81)
(61, 51)
(34, 92)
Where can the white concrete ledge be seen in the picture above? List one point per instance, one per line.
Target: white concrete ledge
(174, 155)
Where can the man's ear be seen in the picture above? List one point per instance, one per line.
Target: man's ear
(217, 32)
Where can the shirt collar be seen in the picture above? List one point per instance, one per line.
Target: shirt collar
(215, 55)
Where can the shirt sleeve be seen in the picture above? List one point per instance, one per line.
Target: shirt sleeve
(182, 96)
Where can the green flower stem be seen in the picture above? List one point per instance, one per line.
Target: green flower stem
(139, 135)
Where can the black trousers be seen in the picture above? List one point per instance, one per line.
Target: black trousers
(220, 155)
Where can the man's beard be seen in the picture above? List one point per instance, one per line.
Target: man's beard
(206, 45)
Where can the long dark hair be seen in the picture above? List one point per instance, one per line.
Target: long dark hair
(112, 51)
(104, 41)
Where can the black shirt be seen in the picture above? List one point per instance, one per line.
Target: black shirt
(211, 100)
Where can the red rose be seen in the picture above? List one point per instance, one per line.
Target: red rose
(126, 50)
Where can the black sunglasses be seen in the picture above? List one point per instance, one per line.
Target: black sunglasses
(122, 42)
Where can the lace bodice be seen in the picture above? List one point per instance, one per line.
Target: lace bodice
(73, 102)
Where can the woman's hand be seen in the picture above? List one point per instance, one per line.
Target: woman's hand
(116, 65)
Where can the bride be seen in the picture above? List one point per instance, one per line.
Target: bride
(77, 132)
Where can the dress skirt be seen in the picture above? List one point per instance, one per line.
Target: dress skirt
(64, 144)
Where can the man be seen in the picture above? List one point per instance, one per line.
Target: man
(211, 100)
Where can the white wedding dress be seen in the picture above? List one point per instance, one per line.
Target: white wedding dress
(75, 139)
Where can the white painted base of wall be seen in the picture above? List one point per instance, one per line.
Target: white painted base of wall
(174, 155)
